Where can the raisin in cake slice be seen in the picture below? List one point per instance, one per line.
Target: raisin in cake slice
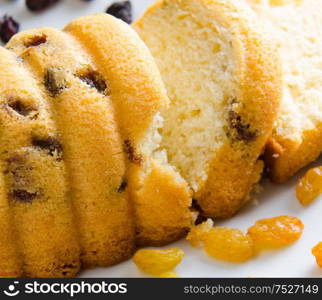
(79, 98)
(295, 27)
(37, 220)
(160, 197)
(224, 85)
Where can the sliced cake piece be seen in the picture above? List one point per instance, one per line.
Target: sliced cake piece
(224, 85)
(85, 178)
(41, 222)
(160, 197)
(295, 27)
(79, 97)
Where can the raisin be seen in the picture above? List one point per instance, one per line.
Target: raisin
(52, 145)
(54, 82)
(317, 252)
(197, 234)
(23, 109)
(121, 10)
(200, 219)
(24, 196)
(122, 186)
(131, 153)
(228, 244)
(39, 5)
(195, 205)
(275, 232)
(95, 80)
(8, 28)
(309, 186)
(36, 40)
(243, 131)
(157, 262)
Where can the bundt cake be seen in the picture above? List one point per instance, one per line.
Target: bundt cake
(295, 26)
(224, 84)
(84, 180)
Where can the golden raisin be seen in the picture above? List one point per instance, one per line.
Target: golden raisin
(197, 233)
(157, 261)
(317, 252)
(228, 244)
(169, 275)
(309, 186)
(275, 232)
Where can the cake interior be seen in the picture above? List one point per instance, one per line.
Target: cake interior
(296, 27)
(196, 60)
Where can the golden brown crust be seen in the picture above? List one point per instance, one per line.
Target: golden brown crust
(138, 94)
(285, 157)
(162, 214)
(137, 90)
(10, 264)
(85, 119)
(40, 213)
(96, 102)
(235, 167)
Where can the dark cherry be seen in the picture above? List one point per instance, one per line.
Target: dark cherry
(121, 10)
(39, 5)
(8, 27)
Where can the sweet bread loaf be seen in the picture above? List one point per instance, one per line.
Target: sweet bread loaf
(295, 27)
(84, 179)
(223, 81)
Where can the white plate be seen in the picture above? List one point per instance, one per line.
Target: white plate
(294, 261)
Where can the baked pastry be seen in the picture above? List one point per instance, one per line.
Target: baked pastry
(39, 234)
(295, 27)
(224, 84)
(160, 195)
(80, 151)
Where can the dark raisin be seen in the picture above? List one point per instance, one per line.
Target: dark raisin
(36, 40)
(54, 82)
(52, 145)
(200, 219)
(24, 196)
(95, 80)
(22, 109)
(131, 153)
(121, 10)
(195, 205)
(243, 131)
(39, 5)
(8, 28)
(122, 186)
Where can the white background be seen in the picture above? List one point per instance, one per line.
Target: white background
(293, 261)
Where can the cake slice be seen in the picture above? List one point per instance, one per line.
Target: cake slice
(160, 196)
(36, 214)
(295, 27)
(223, 81)
(83, 111)
(85, 180)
